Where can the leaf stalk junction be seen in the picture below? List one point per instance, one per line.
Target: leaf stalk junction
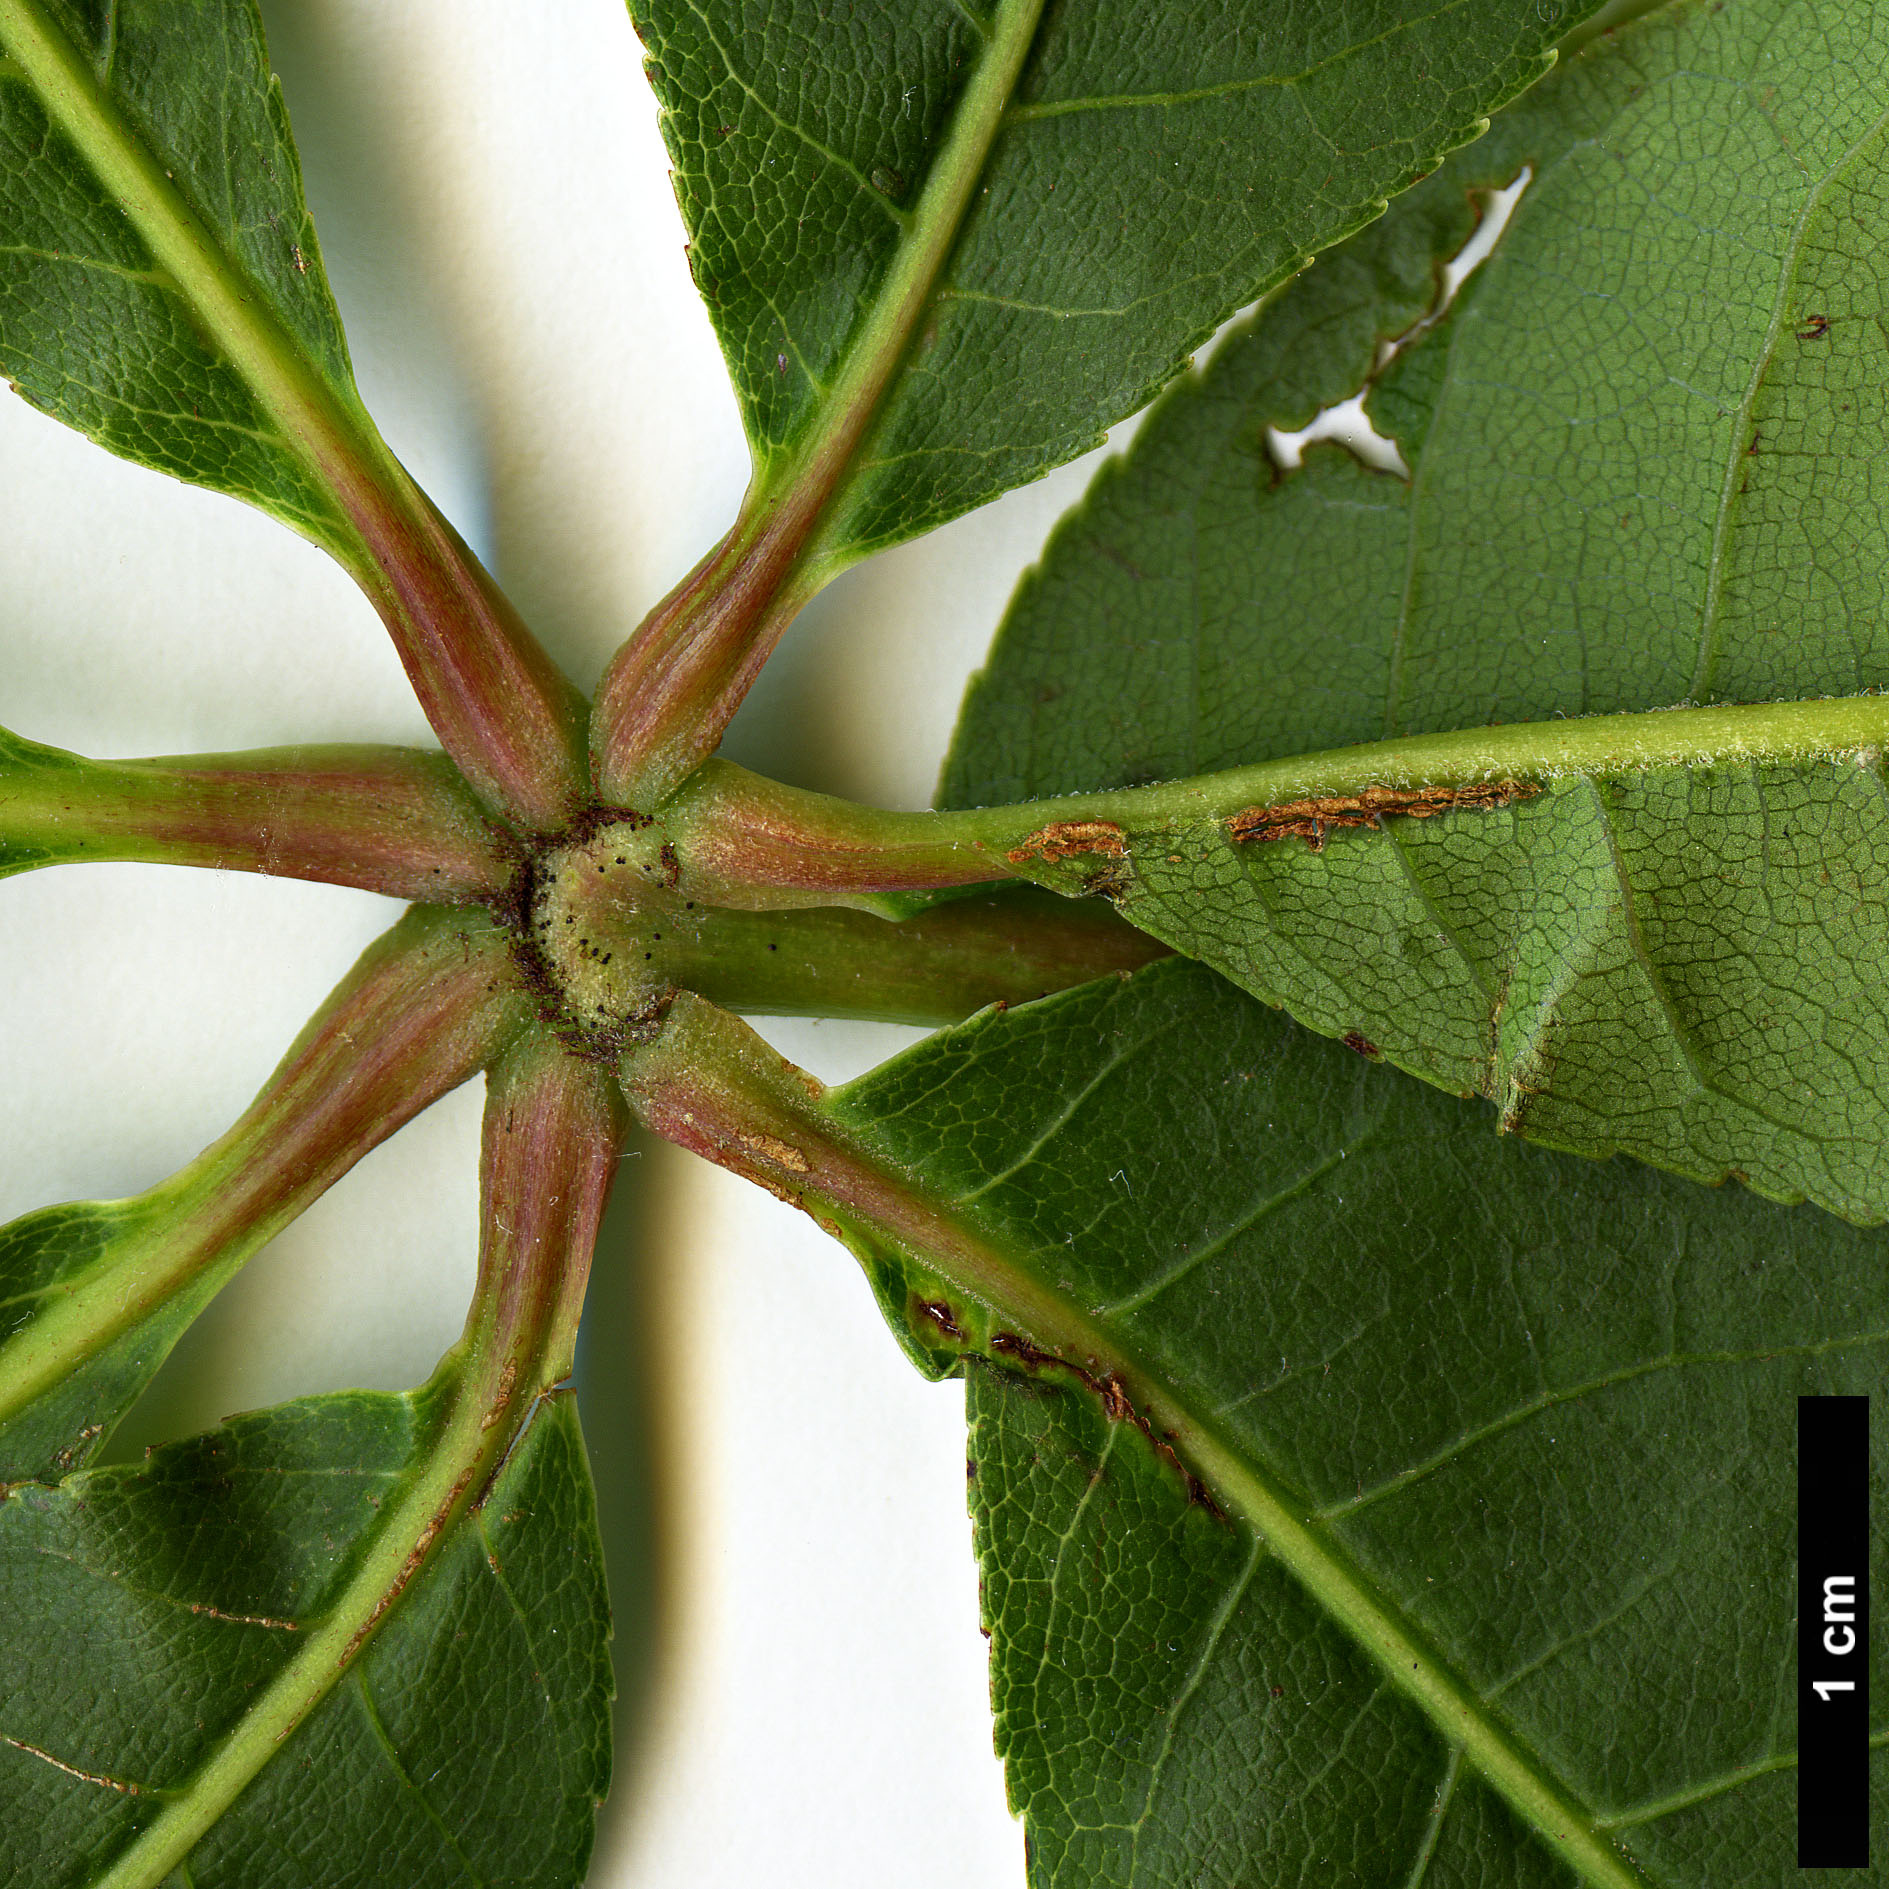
(597, 899)
(600, 967)
(509, 719)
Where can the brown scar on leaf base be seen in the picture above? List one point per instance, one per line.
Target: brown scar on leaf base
(782, 1154)
(1066, 839)
(776, 1166)
(1313, 820)
(65, 1458)
(243, 1620)
(502, 1396)
(938, 1314)
(1117, 1406)
(409, 1568)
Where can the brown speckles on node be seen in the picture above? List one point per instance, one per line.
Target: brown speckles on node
(590, 821)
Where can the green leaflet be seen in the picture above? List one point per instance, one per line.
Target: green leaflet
(44, 1257)
(1001, 227)
(1200, 608)
(117, 341)
(1683, 963)
(469, 1741)
(1532, 1415)
(359, 1626)
(1580, 428)
(1643, 445)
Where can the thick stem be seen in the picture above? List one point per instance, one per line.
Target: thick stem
(427, 1007)
(500, 706)
(617, 950)
(669, 694)
(672, 689)
(554, 1127)
(552, 1136)
(935, 967)
(495, 699)
(710, 1085)
(743, 840)
(391, 820)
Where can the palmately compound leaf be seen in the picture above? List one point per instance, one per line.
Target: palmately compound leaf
(144, 1609)
(1644, 448)
(988, 231)
(1414, 1506)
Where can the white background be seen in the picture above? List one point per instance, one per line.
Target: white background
(804, 1687)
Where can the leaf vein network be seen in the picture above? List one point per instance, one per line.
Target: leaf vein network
(203, 1610)
(1129, 101)
(1248, 1219)
(1732, 482)
(1065, 1114)
(1045, 1659)
(1550, 1400)
(1216, 1631)
(397, 1765)
(1704, 1792)
(902, 218)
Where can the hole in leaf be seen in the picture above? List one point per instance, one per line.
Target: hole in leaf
(1346, 421)
(1497, 207)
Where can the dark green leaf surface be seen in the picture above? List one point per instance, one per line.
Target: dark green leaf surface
(27, 764)
(1088, 226)
(1588, 530)
(93, 328)
(44, 1258)
(1538, 1409)
(468, 1743)
(1645, 444)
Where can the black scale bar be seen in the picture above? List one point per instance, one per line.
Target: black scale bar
(1833, 1633)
